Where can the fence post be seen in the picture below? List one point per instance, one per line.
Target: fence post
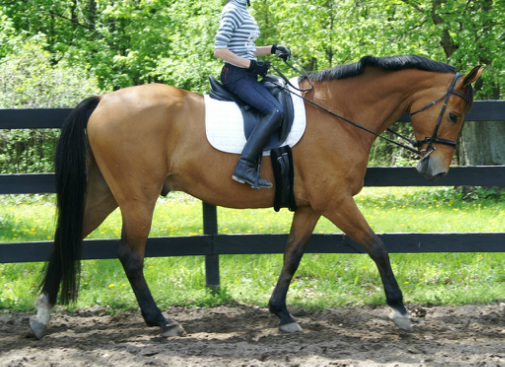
(211, 261)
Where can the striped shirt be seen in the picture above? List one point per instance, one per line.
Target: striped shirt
(238, 30)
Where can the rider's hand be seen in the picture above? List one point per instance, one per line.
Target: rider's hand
(281, 51)
(260, 67)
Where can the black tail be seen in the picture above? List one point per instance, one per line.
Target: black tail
(70, 176)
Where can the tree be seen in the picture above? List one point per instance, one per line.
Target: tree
(28, 79)
(483, 143)
(121, 42)
(472, 32)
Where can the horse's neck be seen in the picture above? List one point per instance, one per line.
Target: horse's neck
(374, 100)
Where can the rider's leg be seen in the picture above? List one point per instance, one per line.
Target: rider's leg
(245, 85)
(245, 171)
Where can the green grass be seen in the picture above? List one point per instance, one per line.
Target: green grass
(323, 280)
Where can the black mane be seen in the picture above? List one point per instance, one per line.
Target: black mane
(391, 63)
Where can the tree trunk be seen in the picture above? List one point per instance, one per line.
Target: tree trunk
(92, 14)
(446, 40)
(482, 143)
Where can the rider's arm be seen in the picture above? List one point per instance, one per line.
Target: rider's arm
(263, 50)
(228, 56)
(232, 58)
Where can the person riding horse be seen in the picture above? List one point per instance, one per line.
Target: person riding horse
(234, 44)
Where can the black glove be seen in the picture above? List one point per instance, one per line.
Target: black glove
(281, 51)
(260, 67)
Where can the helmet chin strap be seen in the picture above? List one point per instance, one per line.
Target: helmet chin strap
(248, 3)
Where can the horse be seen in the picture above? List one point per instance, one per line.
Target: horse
(124, 148)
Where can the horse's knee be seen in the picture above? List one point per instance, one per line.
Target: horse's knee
(378, 252)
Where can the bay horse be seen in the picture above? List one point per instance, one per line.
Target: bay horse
(126, 147)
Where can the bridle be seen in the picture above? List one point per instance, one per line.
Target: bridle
(415, 143)
(434, 139)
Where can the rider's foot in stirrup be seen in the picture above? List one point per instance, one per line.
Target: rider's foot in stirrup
(246, 174)
(260, 184)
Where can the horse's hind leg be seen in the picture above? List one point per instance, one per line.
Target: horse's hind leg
(304, 221)
(350, 220)
(99, 199)
(137, 218)
(98, 205)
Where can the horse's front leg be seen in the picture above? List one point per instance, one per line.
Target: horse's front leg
(304, 221)
(131, 254)
(349, 219)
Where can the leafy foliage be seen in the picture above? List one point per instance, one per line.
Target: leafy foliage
(55, 52)
(132, 42)
(28, 79)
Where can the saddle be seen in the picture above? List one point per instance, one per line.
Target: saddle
(281, 156)
(251, 116)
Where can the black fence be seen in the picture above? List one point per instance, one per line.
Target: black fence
(212, 244)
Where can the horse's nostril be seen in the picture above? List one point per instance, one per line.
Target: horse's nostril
(428, 168)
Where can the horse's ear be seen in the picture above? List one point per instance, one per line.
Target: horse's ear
(472, 76)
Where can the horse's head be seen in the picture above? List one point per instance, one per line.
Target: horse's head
(437, 120)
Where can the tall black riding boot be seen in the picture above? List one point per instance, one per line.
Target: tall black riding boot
(244, 171)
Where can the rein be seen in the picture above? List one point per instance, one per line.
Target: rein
(414, 143)
(301, 72)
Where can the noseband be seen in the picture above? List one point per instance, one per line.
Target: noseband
(433, 139)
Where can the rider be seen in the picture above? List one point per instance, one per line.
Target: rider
(234, 44)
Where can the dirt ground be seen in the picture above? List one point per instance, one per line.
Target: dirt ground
(244, 336)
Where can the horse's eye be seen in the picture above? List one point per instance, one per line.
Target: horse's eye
(454, 118)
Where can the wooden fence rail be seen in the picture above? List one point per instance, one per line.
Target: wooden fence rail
(212, 244)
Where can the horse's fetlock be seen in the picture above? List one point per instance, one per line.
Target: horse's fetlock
(394, 299)
(273, 308)
(155, 318)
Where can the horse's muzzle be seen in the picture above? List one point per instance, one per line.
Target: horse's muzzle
(431, 169)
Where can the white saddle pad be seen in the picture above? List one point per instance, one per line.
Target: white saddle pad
(225, 126)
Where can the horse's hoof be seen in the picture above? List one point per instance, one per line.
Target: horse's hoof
(292, 327)
(173, 329)
(38, 328)
(401, 320)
